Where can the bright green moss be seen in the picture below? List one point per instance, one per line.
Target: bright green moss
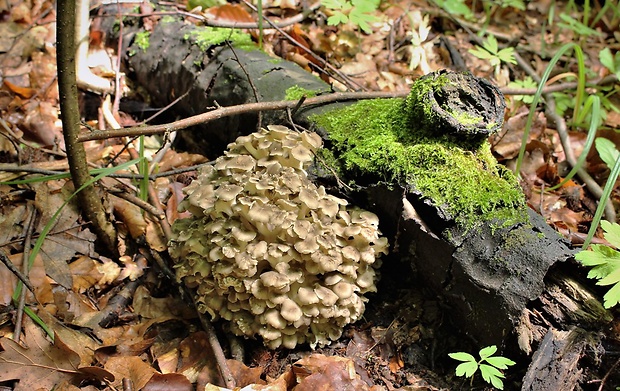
(206, 36)
(142, 39)
(379, 137)
(297, 92)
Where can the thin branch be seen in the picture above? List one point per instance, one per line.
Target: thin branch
(9, 265)
(88, 199)
(231, 111)
(29, 229)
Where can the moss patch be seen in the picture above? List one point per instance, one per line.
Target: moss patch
(297, 92)
(206, 36)
(380, 138)
(142, 40)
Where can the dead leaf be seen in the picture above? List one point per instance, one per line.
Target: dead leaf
(168, 382)
(132, 368)
(39, 364)
(24, 92)
(319, 372)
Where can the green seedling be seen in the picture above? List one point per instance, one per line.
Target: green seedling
(359, 13)
(605, 263)
(488, 365)
(490, 51)
(528, 82)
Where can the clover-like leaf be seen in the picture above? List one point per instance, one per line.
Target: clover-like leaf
(487, 352)
(612, 232)
(466, 369)
(500, 362)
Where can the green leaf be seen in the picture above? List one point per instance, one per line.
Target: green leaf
(598, 255)
(461, 356)
(608, 61)
(466, 369)
(334, 4)
(612, 232)
(481, 53)
(362, 19)
(337, 18)
(607, 151)
(612, 278)
(500, 362)
(490, 44)
(612, 297)
(488, 351)
(507, 55)
(490, 373)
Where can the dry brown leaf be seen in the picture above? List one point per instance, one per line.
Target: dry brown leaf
(67, 238)
(243, 374)
(132, 368)
(131, 215)
(319, 372)
(37, 277)
(168, 382)
(39, 364)
(85, 273)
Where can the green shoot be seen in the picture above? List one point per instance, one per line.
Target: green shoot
(143, 169)
(488, 365)
(581, 86)
(605, 263)
(579, 28)
(490, 51)
(359, 13)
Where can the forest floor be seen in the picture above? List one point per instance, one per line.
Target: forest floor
(118, 323)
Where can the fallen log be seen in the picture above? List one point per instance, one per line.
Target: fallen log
(483, 251)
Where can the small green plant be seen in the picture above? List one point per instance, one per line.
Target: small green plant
(528, 82)
(604, 260)
(490, 51)
(488, 365)
(610, 61)
(359, 13)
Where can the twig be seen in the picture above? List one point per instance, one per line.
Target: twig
(138, 202)
(218, 352)
(558, 87)
(110, 314)
(233, 110)
(29, 229)
(9, 265)
(562, 131)
(345, 79)
(611, 370)
(250, 82)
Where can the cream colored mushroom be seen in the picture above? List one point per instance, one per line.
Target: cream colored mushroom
(271, 252)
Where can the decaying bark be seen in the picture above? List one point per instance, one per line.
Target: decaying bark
(491, 302)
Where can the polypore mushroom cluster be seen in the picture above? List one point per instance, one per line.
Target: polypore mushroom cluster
(268, 250)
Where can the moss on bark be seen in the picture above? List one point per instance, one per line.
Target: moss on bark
(392, 139)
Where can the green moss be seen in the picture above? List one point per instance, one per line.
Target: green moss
(380, 138)
(205, 37)
(142, 39)
(297, 92)
(168, 19)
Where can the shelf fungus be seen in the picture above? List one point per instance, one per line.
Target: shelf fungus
(269, 251)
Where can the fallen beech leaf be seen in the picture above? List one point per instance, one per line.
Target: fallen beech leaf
(132, 368)
(243, 374)
(40, 364)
